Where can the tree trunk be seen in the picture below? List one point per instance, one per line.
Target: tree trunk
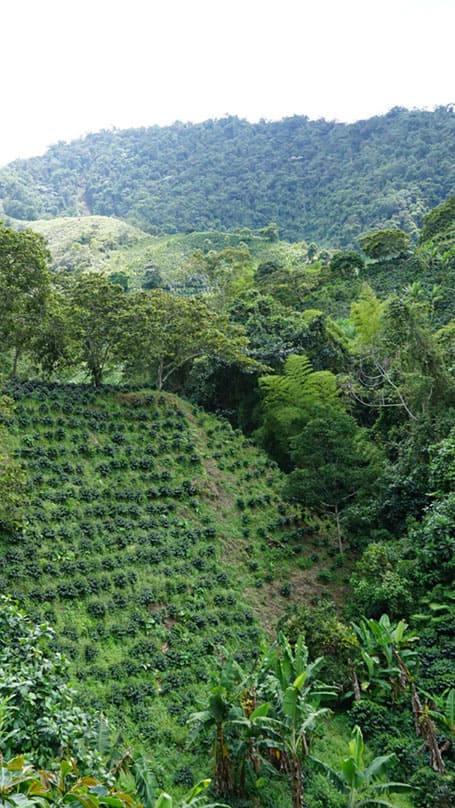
(356, 687)
(222, 775)
(295, 766)
(97, 375)
(17, 356)
(426, 729)
(159, 375)
(424, 726)
(338, 524)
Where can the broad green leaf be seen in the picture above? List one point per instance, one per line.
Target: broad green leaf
(260, 711)
(378, 766)
(197, 789)
(349, 772)
(16, 764)
(290, 702)
(356, 747)
(164, 801)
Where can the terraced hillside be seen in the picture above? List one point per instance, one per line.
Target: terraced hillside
(154, 536)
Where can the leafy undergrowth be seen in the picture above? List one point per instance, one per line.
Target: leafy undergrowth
(154, 536)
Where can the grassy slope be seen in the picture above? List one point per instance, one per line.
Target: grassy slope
(154, 534)
(108, 245)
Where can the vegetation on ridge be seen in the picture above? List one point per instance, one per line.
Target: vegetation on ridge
(320, 181)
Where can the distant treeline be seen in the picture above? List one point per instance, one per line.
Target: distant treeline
(318, 180)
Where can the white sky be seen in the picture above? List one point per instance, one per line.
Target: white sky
(69, 67)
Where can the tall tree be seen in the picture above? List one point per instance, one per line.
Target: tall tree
(25, 286)
(384, 244)
(12, 477)
(335, 463)
(288, 402)
(95, 309)
(163, 334)
(398, 362)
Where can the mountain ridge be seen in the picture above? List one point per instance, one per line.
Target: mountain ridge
(318, 180)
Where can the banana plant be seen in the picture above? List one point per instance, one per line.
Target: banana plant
(23, 786)
(289, 682)
(389, 661)
(191, 800)
(439, 710)
(213, 719)
(362, 785)
(255, 735)
(444, 712)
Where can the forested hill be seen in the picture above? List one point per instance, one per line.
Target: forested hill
(318, 180)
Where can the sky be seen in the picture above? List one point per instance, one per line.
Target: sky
(70, 67)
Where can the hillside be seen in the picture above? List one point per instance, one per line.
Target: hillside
(140, 552)
(182, 568)
(318, 180)
(108, 245)
(111, 246)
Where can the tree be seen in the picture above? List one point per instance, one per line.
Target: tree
(308, 431)
(388, 660)
(346, 263)
(335, 463)
(270, 232)
(256, 733)
(212, 721)
(384, 244)
(120, 278)
(95, 306)
(399, 362)
(289, 400)
(152, 278)
(391, 667)
(325, 634)
(366, 315)
(25, 286)
(227, 273)
(438, 222)
(163, 334)
(12, 477)
(442, 711)
(54, 345)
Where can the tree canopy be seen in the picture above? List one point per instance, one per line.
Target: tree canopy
(331, 181)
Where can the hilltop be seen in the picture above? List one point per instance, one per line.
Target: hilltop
(320, 181)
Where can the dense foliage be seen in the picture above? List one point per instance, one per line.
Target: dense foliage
(222, 602)
(318, 180)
